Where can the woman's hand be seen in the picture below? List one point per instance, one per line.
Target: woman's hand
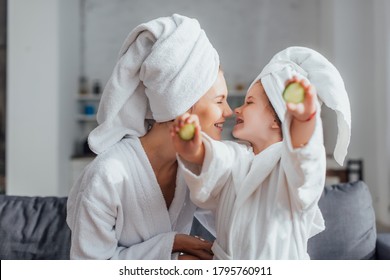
(191, 150)
(192, 248)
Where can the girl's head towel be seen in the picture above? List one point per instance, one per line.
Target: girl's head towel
(308, 64)
(164, 67)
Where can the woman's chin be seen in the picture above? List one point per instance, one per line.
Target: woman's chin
(214, 134)
(217, 135)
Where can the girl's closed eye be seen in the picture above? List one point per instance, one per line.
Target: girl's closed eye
(249, 100)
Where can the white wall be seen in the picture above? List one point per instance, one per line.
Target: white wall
(360, 52)
(245, 33)
(68, 73)
(381, 80)
(41, 78)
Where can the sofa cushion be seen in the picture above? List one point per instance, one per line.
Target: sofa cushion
(350, 224)
(33, 228)
(383, 246)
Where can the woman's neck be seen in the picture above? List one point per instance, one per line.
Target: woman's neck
(158, 147)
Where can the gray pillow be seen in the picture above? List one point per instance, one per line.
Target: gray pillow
(350, 224)
(33, 228)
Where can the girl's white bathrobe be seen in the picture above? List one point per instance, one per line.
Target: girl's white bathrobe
(266, 204)
(116, 209)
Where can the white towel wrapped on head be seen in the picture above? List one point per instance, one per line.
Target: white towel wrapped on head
(164, 67)
(308, 64)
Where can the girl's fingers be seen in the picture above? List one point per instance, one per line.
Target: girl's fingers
(305, 84)
(193, 119)
(310, 99)
(305, 109)
(292, 80)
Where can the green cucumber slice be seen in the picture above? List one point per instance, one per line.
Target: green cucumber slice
(187, 132)
(294, 93)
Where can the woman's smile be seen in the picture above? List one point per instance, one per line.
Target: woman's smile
(219, 125)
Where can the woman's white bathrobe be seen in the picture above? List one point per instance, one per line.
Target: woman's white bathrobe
(266, 204)
(116, 209)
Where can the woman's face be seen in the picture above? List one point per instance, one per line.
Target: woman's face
(254, 119)
(212, 108)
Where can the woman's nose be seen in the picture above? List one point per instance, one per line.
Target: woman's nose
(227, 111)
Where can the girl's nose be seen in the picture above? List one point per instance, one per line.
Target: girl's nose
(237, 111)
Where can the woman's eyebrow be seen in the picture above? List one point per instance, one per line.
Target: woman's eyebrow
(220, 96)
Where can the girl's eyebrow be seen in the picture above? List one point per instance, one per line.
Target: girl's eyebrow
(250, 97)
(220, 96)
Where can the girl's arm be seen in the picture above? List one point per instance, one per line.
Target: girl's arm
(304, 157)
(303, 115)
(192, 150)
(207, 164)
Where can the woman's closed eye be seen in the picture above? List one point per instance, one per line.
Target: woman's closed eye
(220, 99)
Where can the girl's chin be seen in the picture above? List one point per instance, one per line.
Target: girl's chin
(235, 132)
(239, 135)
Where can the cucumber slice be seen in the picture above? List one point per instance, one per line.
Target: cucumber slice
(187, 132)
(294, 93)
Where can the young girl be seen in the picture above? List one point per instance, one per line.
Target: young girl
(265, 194)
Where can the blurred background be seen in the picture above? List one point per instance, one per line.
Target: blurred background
(57, 55)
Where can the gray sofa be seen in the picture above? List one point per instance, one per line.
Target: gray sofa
(35, 227)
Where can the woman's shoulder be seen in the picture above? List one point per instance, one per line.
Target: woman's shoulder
(114, 163)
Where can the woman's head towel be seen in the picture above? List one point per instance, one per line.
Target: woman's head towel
(308, 64)
(164, 67)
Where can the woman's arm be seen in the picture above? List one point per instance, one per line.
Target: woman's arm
(94, 236)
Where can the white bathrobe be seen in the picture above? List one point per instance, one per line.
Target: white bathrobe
(116, 209)
(266, 204)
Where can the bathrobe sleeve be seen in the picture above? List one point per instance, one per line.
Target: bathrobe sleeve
(95, 218)
(220, 163)
(305, 167)
(305, 170)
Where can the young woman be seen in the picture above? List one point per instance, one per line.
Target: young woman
(131, 202)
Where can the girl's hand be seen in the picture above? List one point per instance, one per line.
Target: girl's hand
(303, 122)
(192, 248)
(191, 150)
(306, 110)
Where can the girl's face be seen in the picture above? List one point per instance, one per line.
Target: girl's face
(212, 108)
(255, 121)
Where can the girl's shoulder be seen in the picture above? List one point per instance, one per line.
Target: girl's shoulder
(239, 145)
